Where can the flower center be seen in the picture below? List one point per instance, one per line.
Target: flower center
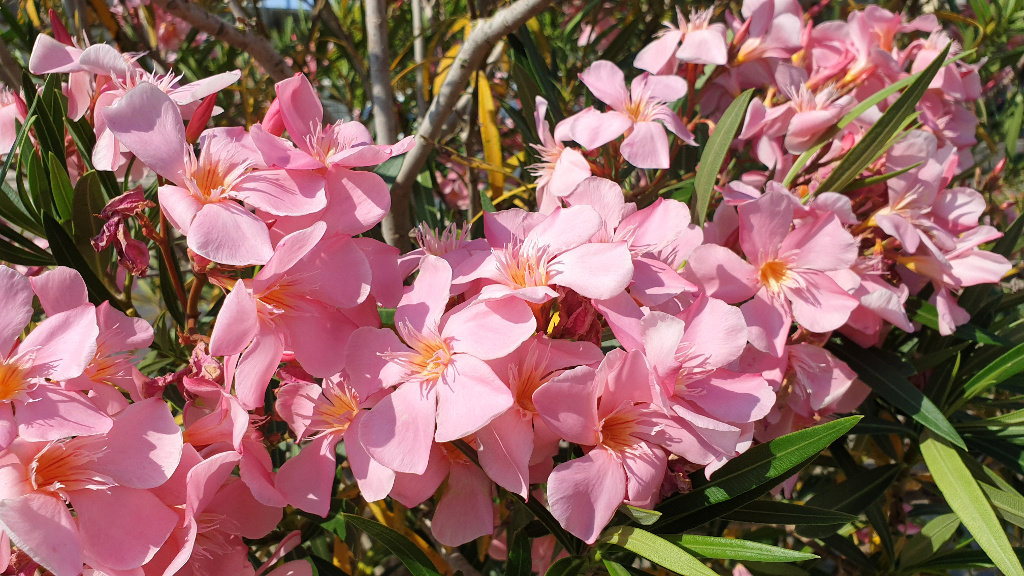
(12, 382)
(523, 266)
(439, 244)
(429, 356)
(63, 466)
(617, 430)
(773, 274)
(336, 409)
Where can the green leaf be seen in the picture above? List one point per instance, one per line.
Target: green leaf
(485, 202)
(412, 557)
(933, 535)
(323, 567)
(60, 186)
(715, 151)
(1012, 126)
(568, 566)
(749, 475)
(878, 137)
(893, 386)
(739, 550)
(1007, 365)
(641, 515)
(336, 525)
(520, 560)
(851, 496)
(38, 185)
(958, 560)
(966, 498)
(615, 569)
(657, 550)
(786, 513)
(170, 297)
(66, 254)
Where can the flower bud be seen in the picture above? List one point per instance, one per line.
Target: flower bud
(200, 118)
(60, 33)
(273, 122)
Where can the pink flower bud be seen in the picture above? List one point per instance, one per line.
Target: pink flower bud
(200, 118)
(60, 33)
(273, 122)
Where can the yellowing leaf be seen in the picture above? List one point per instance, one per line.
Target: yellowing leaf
(489, 134)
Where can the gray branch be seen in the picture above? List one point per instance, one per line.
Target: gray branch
(481, 40)
(383, 98)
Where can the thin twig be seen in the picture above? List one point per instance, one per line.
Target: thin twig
(253, 44)
(478, 44)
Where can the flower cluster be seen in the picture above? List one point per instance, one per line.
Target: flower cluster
(590, 354)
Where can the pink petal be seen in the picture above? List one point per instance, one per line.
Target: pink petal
(375, 481)
(654, 282)
(645, 468)
(507, 322)
(54, 413)
(121, 333)
(566, 228)
(293, 568)
(707, 46)
(733, 397)
(63, 344)
(768, 323)
(469, 396)
(60, 289)
(244, 515)
(598, 271)
(227, 233)
(818, 303)
(257, 473)
(607, 82)
(306, 479)
(715, 333)
(16, 299)
(148, 123)
(627, 379)
(571, 168)
(424, 303)
(721, 273)
(205, 479)
(301, 109)
(667, 88)
(280, 153)
(584, 493)
(623, 315)
(593, 129)
(143, 447)
(764, 225)
(356, 201)
(179, 205)
(604, 196)
(568, 405)
(8, 426)
(465, 511)
(105, 60)
(411, 490)
(386, 284)
(42, 527)
(365, 362)
(316, 340)
(50, 56)
(656, 55)
(822, 245)
(647, 146)
(122, 528)
(195, 91)
(283, 192)
(398, 431)
(506, 445)
(256, 367)
(237, 322)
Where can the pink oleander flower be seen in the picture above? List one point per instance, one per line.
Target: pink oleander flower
(560, 168)
(445, 390)
(356, 200)
(713, 407)
(452, 244)
(111, 370)
(297, 301)
(695, 42)
(119, 524)
(516, 449)
(816, 385)
(771, 29)
(327, 414)
(786, 272)
(610, 413)
(641, 112)
(33, 404)
(532, 253)
(213, 511)
(201, 198)
(812, 113)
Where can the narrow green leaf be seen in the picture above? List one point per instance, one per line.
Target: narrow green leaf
(412, 557)
(615, 569)
(850, 551)
(926, 314)
(520, 560)
(60, 186)
(1008, 506)
(786, 513)
(14, 255)
(1007, 365)
(715, 151)
(323, 567)
(888, 383)
(956, 560)
(568, 566)
(733, 549)
(170, 297)
(879, 178)
(879, 135)
(933, 535)
(966, 498)
(485, 202)
(1012, 126)
(38, 185)
(336, 525)
(851, 496)
(749, 476)
(657, 550)
(641, 515)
